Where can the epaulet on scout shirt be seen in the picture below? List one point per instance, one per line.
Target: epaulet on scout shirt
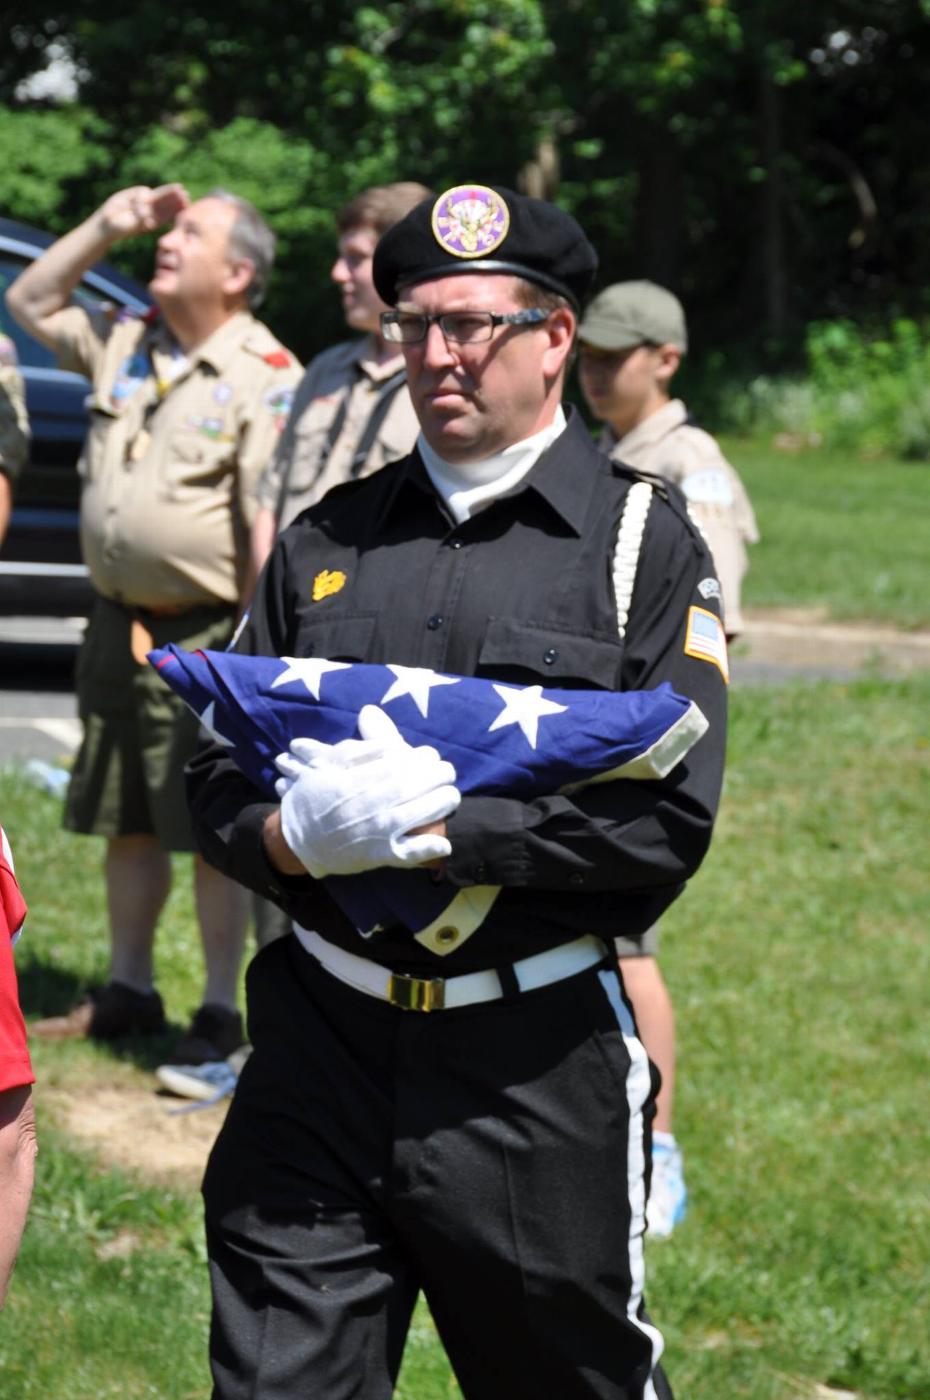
(278, 359)
(122, 314)
(260, 342)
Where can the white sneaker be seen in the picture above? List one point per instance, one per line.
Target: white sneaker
(668, 1197)
(208, 1082)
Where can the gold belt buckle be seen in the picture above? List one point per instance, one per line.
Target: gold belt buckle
(416, 993)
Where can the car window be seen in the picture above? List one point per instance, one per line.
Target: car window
(29, 350)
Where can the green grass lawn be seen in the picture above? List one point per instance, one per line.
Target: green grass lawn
(798, 962)
(851, 534)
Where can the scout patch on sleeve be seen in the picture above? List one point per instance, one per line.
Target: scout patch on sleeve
(327, 582)
(710, 487)
(130, 376)
(279, 401)
(705, 639)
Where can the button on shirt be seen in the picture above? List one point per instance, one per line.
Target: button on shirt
(527, 599)
(341, 389)
(667, 445)
(174, 449)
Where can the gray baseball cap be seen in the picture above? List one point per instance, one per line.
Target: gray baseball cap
(631, 313)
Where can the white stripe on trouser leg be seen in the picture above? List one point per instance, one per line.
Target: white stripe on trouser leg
(638, 1089)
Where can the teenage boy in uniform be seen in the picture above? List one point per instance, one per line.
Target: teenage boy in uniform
(631, 341)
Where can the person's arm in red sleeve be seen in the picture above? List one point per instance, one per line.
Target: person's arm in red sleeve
(17, 1118)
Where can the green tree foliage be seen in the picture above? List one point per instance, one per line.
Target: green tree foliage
(766, 158)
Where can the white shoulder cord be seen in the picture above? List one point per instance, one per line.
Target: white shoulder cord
(629, 543)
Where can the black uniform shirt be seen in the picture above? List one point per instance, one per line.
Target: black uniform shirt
(521, 592)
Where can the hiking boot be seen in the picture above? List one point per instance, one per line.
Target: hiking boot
(668, 1197)
(106, 1013)
(214, 1033)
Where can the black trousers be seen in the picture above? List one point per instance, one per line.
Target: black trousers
(493, 1156)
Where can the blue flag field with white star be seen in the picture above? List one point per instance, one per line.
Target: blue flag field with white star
(503, 740)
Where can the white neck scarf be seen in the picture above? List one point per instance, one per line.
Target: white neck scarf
(467, 486)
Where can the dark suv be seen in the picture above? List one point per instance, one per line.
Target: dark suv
(40, 560)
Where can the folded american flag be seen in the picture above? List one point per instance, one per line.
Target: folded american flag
(502, 740)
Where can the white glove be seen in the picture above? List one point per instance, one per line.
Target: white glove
(348, 807)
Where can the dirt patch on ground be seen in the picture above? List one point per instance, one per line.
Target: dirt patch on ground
(131, 1126)
(804, 638)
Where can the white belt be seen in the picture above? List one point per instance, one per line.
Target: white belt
(446, 993)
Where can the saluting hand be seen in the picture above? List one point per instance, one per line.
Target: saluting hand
(142, 209)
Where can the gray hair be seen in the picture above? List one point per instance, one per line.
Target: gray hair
(250, 237)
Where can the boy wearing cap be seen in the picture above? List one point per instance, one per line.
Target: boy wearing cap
(466, 1111)
(631, 341)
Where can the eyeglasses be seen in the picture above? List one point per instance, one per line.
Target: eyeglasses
(464, 327)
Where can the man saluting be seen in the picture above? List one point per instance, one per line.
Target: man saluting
(186, 408)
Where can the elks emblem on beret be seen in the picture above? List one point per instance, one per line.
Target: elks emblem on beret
(470, 221)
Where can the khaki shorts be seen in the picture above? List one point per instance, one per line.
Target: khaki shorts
(128, 777)
(645, 947)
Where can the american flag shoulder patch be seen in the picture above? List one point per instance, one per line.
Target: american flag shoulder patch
(706, 639)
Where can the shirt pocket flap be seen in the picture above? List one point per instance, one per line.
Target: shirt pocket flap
(339, 638)
(526, 653)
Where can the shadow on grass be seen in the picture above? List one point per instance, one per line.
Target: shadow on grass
(45, 990)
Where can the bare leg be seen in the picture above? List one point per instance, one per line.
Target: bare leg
(223, 912)
(138, 877)
(655, 1017)
(17, 1158)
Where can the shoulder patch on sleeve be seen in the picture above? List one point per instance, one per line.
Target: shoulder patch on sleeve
(279, 399)
(278, 359)
(710, 486)
(706, 639)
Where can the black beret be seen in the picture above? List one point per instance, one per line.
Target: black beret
(484, 228)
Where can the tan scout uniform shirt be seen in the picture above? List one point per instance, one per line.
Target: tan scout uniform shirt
(174, 449)
(668, 446)
(14, 423)
(347, 376)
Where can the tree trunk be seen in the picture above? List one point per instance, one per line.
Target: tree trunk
(658, 214)
(774, 273)
(539, 177)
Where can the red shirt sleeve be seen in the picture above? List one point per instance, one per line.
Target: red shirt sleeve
(15, 1065)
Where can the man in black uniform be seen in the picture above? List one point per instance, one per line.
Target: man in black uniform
(467, 1111)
